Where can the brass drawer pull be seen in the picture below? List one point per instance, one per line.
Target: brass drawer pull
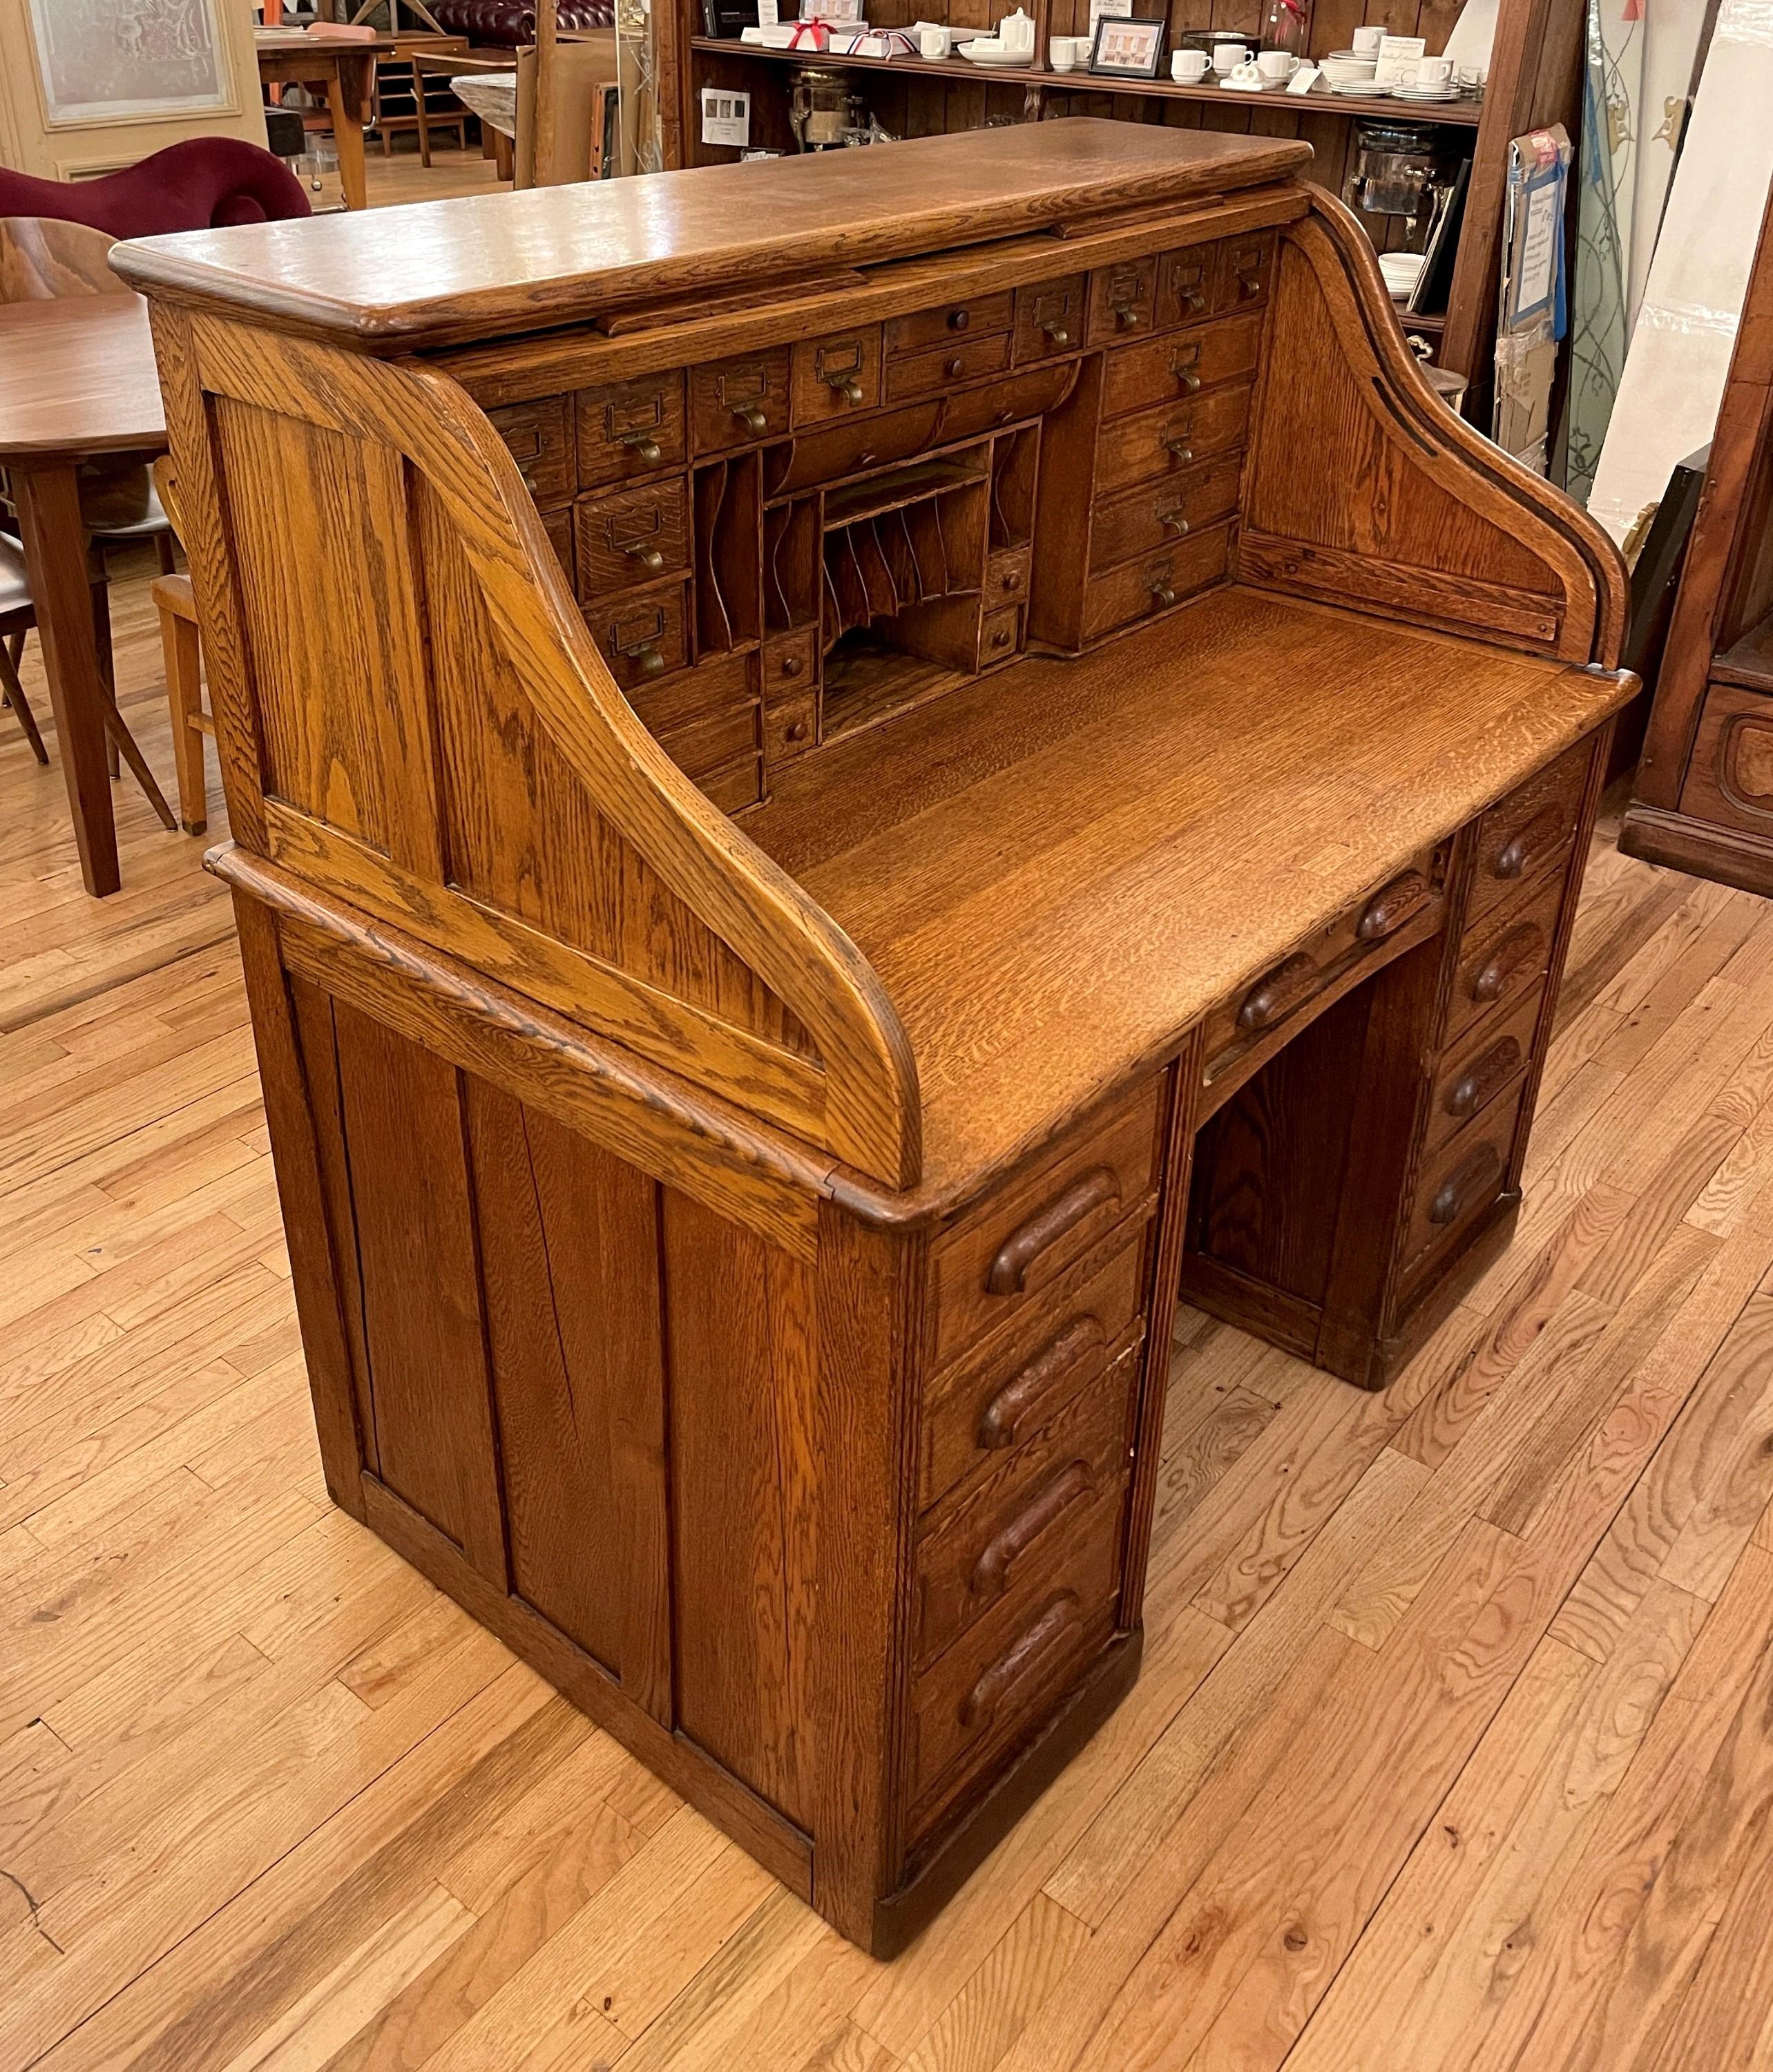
(1272, 998)
(1020, 1658)
(1055, 331)
(1098, 1188)
(1464, 1184)
(1249, 285)
(1172, 519)
(1000, 1424)
(1519, 948)
(642, 445)
(648, 556)
(1163, 594)
(649, 660)
(991, 1571)
(1483, 1077)
(1542, 834)
(1176, 445)
(751, 417)
(1192, 298)
(1185, 370)
(845, 385)
(1126, 316)
(1392, 905)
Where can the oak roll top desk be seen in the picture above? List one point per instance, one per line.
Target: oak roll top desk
(846, 773)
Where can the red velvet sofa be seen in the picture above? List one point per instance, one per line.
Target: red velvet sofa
(198, 185)
(506, 24)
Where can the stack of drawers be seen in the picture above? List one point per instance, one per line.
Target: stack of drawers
(1175, 412)
(1039, 1298)
(1518, 886)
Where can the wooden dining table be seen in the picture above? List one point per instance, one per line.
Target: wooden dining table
(77, 383)
(346, 67)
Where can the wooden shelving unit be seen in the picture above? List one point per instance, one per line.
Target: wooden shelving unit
(1535, 78)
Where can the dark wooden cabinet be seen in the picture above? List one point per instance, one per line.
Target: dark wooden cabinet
(851, 811)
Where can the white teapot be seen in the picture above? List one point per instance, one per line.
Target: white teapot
(1016, 33)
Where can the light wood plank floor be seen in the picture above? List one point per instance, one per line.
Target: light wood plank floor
(1453, 1747)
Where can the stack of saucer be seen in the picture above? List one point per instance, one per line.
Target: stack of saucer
(1439, 90)
(1350, 72)
(1400, 270)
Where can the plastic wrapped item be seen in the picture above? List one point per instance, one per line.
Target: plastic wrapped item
(1534, 312)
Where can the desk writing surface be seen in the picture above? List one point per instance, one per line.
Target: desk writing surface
(1055, 871)
(77, 376)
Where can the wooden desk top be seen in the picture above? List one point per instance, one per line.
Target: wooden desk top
(439, 272)
(1055, 871)
(77, 376)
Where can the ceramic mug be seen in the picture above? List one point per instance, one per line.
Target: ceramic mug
(1189, 67)
(1060, 56)
(1227, 57)
(1367, 41)
(933, 42)
(1275, 66)
(1433, 72)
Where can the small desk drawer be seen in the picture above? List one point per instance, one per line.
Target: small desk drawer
(1000, 635)
(1123, 301)
(640, 633)
(629, 428)
(1469, 1081)
(924, 328)
(790, 664)
(703, 745)
(733, 402)
(1020, 1527)
(1170, 368)
(790, 727)
(1050, 318)
(988, 1405)
(536, 435)
(558, 526)
(1155, 582)
(929, 373)
(1460, 1184)
(632, 537)
(832, 377)
(1185, 284)
(1151, 444)
(716, 684)
(1146, 520)
(1029, 1229)
(1507, 956)
(1242, 267)
(734, 786)
(1007, 576)
(1529, 831)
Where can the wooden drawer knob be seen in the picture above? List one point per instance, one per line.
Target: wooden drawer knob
(1099, 1188)
(1001, 1422)
(991, 1571)
(1484, 1076)
(797, 730)
(1012, 579)
(954, 368)
(1000, 636)
(958, 319)
(1519, 948)
(1390, 907)
(1464, 1184)
(1543, 833)
(791, 665)
(1272, 998)
(1021, 1660)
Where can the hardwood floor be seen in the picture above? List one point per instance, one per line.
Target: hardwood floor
(1452, 1750)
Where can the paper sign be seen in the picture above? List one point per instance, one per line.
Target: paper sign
(1119, 10)
(725, 117)
(1303, 80)
(1398, 58)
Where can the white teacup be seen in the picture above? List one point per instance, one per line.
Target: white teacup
(1433, 72)
(1227, 57)
(1275, 66)
(933, 42)
(1367, 41)
(1189, 67)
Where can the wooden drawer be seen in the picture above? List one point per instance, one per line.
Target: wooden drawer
(832, 377)
(1185, 284)
(1013, 1668)
(733, 402)
(1049, 318)
(1030, 1228)
(1025, 1520)
(538, 436)
(1148, 444)
(1242, 268)
(1167, 369)
(1000, 635)
(1479, 1070)
(1006, 575)
(930, 373)
(1459, 1185)
(734, 786)
(790, 663)
(790, 727)
(702, 746)
(1148, 520)
(1155, 582)
(1505, 957)
(716, 684)
(924, 328)
(1123, 301)
(629, 428)
(985, 1405)
(1729, 774)
(640, 633)
(632, 537)
(1530, 830)
(558, 526)
(1258, 1019)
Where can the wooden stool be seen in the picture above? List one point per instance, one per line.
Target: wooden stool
(177, 611)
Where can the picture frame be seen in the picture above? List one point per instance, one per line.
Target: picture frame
(1127, 46)
(119, 61)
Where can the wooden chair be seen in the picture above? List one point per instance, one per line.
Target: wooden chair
(177, 608)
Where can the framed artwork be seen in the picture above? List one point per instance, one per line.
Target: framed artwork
(118, 61)
(1126, 48)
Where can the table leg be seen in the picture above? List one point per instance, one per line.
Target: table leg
(421, 114)
(345, 101)
(55, 544)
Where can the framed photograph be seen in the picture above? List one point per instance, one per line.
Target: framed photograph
(112, 60)
(1127, 48)
(833, 13)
